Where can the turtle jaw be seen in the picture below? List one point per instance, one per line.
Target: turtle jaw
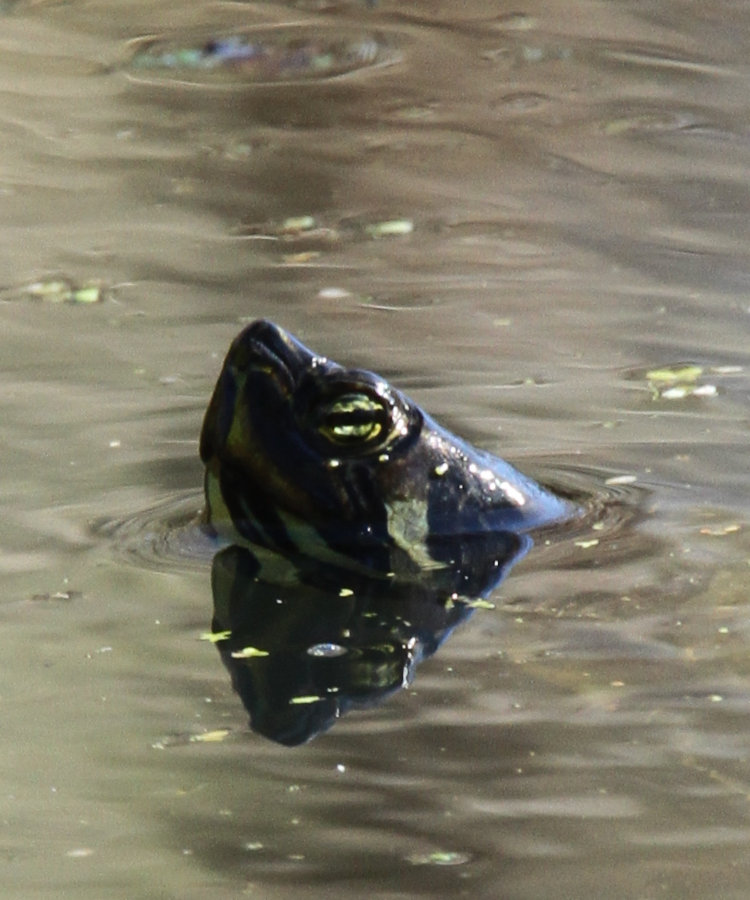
(264, 347)
(263, 360)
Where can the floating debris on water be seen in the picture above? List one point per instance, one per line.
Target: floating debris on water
(56, 596)
(248, 653)
(215, 636)
(210, 737)
(721, 530)
(281, 54)
(79, 853)
(306, 236)
(480, 604)
(334, 293)
(621, 479)
(672, 374)
(297, 224)
(391, 228)
(439, 858)
(681, 380)
(58, 289)
(301, 259)
(680, 391)
(299, 230)
(184, 738)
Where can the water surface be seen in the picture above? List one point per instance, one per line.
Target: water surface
(567, 185)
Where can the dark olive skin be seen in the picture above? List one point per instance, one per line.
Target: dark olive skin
(304, 456)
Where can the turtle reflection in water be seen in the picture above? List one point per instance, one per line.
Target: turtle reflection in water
(361, 532)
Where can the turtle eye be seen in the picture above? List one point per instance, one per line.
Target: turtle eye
(352, 419)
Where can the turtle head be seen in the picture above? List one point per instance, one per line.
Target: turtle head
(305, 456)
(291, 440)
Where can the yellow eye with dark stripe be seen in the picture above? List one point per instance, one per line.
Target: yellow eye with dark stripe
(352, 419)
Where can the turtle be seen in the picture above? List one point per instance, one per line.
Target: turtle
(306, 457)
(360, 531)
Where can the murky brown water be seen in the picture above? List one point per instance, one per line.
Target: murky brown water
(576, 176)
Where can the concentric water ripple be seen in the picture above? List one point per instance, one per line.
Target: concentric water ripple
(166, 536)
(169, 534)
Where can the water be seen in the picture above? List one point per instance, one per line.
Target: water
(569, 184)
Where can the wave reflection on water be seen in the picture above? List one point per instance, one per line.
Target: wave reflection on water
(285, 54)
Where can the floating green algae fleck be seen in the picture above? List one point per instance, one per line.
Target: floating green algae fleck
(678, 382)
(673, 374)
(390, 228)
(439, 858)
(63, 290)
(215, 636)
(248, 653)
